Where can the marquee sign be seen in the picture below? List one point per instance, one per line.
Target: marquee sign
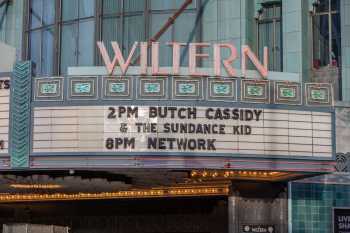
(93, 119)
(178, 129)
(4, 114)
(182, 115)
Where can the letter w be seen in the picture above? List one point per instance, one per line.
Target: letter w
(118, 57)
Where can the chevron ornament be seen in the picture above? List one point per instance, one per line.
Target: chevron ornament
(20, 114)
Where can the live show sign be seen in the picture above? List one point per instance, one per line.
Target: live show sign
(181, 129)
(341, 220)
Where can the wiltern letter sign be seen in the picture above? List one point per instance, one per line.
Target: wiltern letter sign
(194, 55)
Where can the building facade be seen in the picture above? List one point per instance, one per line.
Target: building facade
(310, 47)
(266, 152)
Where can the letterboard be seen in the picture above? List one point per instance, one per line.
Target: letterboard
(4, 114)
(190, 130)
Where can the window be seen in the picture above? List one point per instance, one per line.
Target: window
(4, 9)
(78, 33)
(127, 21)
(270, 34)
(326, 33)
(124, 22)
(185, 28)
(41, 36)
(11, 21)
(63, 33)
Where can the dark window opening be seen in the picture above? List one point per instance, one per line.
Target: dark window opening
(270, 34)
(326, 34)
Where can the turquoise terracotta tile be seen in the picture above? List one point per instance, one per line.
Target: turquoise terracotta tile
(312, 206)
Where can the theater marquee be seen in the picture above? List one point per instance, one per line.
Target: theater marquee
(205, 130)
(122, 115)
(200, 116)
(4, 113)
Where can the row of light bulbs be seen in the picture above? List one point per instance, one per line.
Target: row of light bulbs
(35, 186)
(230, 174)
(166, 192)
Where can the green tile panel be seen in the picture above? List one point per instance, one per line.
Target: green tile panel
(311, 206)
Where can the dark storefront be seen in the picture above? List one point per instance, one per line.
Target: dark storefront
(251, 204)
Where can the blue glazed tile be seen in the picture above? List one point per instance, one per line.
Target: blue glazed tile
(314, 212)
